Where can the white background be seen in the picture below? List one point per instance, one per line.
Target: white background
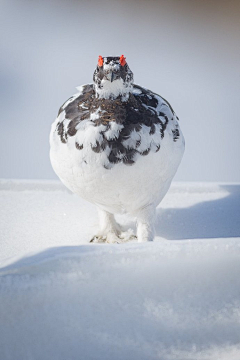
(187, 51)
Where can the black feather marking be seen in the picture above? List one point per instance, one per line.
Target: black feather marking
(128, 159)
(97, 148)
(145, 152)
(138, 143)
(61, 132)
(78, 146)
(72, 126)
(113, 158)
(139, 110)
(176, 134)
(152, 130)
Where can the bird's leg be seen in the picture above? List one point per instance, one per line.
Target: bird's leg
(109, 230)
(145, 223)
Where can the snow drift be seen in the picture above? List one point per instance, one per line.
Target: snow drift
(175, 298)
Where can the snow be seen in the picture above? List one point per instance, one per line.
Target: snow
(177, 298)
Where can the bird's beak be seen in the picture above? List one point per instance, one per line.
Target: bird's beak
(112, 76)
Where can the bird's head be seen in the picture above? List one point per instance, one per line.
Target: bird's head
(113, 78)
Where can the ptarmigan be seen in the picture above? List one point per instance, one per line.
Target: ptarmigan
(117, 145)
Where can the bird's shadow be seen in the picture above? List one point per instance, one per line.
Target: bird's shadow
(208, 219)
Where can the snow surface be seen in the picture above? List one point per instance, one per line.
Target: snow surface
(63, 298)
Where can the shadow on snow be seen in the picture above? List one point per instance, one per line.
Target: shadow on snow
(209, 219)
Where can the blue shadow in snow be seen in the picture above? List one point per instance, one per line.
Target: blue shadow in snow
(209, 219)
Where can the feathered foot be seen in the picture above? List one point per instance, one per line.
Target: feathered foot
(110, 231)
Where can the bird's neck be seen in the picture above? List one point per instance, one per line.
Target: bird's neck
(113, 90)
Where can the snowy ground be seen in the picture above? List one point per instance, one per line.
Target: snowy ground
(62, 298)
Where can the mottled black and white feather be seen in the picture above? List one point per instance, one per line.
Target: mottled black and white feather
(115, 143)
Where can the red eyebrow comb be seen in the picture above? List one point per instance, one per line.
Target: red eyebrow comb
(122, 60)
(100, 61)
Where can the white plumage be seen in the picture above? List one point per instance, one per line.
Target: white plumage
(119, 150)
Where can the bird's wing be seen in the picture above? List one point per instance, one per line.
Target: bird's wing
(73, 111)
(153, 101)
(157, 111)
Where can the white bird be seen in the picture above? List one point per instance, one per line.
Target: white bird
(117, 145)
